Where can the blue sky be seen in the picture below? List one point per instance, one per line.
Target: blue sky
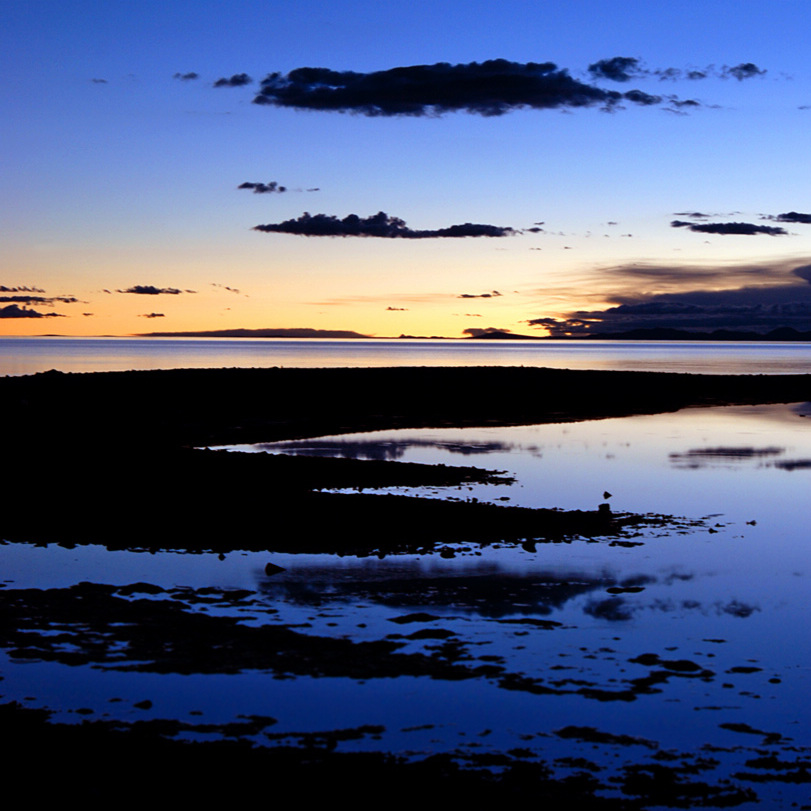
(120, 190)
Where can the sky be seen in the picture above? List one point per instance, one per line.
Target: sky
(430, 168)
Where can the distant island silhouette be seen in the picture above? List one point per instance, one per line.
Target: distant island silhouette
(651, 334)
(293, 332)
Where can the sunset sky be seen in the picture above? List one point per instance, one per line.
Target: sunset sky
(621, 165)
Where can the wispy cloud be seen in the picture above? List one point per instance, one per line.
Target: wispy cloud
(756, 298)
(228, 289)
(23, 289)
(46, 300)
(270, 188)
(625, 68)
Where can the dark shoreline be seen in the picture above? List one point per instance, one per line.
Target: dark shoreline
(141, 484)
(195, 407)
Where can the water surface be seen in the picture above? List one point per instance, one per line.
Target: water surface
(31, 355)
(718, 602)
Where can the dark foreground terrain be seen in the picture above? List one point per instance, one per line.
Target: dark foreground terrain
(115, 459)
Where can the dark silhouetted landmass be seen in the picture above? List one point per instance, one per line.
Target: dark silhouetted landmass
(142, 483)
(295, 332)
(503, 335)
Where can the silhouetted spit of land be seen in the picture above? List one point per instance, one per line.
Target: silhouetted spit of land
(110, 457)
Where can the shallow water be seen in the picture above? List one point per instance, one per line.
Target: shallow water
(22, 356)
(719, 605)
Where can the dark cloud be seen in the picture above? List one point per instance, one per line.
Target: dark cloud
(47, 300)
(695, 215)
(492, 294)
(13, 311)
(625, 68)
(237, 80)
(489, 88)
(647, 100)
(793, 216)
(187, 76)
(618, 69)
(263, 188)
(677, 105)
(543, 322)
(377, 225)
(152, 315)
(746, 70)
(738, 228)
(150, 290)
(22, 289)
(754, 299)
(477, 332)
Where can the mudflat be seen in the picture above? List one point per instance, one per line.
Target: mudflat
(120, 459)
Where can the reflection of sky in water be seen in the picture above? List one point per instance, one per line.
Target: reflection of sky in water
(388, 449)
(731, 594)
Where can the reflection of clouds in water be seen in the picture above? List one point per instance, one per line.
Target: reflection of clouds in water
(701, 458)
(391, 449)
(616, 609)
(793, 464)
(698, 458)
(485, 592)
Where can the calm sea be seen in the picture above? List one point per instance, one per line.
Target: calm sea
(21, 356)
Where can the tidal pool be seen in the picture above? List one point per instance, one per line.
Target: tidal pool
(684, 644)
